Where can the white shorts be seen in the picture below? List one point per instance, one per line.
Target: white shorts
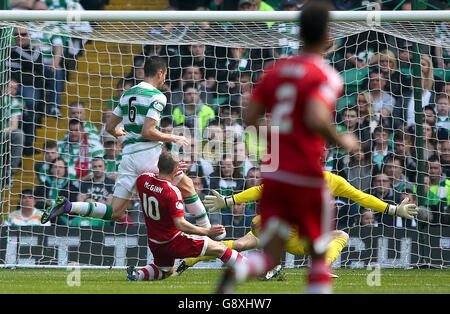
(133, 165)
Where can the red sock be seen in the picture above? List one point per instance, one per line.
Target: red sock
(230, 257)
(151, 272)
(319, 280)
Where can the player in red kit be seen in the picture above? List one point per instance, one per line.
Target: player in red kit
(300, 95)
(170, 236)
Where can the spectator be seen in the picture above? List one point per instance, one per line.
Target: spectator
(381, 146)
(366, 218)
(288, 33)
(405, 53)
(435, 204)
(360, 50)
(113, 155)
(403, 143)
(360, 169)
(240, 62)
(367, 117)
(252, 179)
(228, 117)
(77, 149)
(240, 217)
(43, 168)
(98, 187)
(350, 123)
(382, 188)
(428, 90)
(200, 166)
(192, 75)
(12, 118)
(213, 141)
(169, 53)
(75, 45)
(241, 162)
(346, 5)
(57, 184)
(192, 113)
(123, 84)
(51, 46)
(393, 167)
(222, 179)
(442, 108)
(430, 141)
(383, 102)
(430, 117)
(397, 83)
(22, 4)
(223, 5)
(26, 68)
(444, 156)
(27, 214)
(77, 110)
(437, 180)
(442, 34)
(198, 56)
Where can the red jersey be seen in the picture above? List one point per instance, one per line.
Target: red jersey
(284, 90)
(161, 201)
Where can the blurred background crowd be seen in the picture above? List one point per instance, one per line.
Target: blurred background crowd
(207, 88)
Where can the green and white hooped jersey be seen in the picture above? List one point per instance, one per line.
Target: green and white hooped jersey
(135, 105)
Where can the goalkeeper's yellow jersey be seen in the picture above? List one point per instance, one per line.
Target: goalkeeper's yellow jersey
(338, 187)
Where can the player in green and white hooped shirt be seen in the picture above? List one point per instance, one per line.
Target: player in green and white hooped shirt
(139, 109)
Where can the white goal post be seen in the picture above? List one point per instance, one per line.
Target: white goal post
(111, 42)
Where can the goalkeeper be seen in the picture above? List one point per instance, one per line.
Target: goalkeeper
(338, 187)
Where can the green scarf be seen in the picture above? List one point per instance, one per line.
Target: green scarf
(56, 186)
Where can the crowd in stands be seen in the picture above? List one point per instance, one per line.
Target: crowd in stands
(207, 89)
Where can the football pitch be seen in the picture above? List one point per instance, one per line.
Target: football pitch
(204, 281)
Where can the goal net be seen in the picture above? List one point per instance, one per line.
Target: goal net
(58, 68)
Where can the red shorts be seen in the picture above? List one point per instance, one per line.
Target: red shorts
(308, 208)
(182, 246)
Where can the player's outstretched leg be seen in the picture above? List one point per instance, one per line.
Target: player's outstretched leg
(191, 261)
(61, 206)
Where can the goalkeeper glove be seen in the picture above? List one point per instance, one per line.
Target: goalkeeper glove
(217, 201)
(403, 210)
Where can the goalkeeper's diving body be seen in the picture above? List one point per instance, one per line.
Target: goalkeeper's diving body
(140, 109)
(338, 186)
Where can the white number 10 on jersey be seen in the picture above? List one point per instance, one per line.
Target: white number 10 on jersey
(151, 206)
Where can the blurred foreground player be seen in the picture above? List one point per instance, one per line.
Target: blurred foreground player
(300, 93)
(170, 236)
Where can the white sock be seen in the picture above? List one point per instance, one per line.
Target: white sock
(92, 209)
(196, 208)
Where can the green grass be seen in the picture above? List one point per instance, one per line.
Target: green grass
(202, 281)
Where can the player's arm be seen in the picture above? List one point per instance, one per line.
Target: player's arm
(151, 133)
(340, 187)
(112, 125)
(253, 113)
(318, 119)
(217, 201)
(183, 225)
